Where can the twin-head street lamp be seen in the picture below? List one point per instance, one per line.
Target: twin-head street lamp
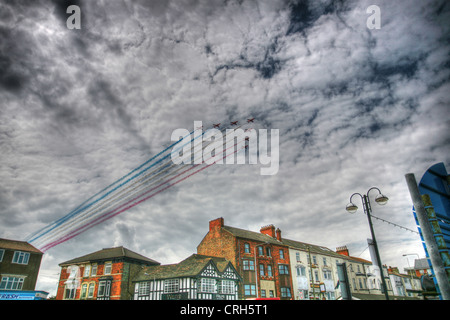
(381, 200)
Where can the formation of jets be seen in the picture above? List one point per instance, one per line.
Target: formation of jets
(233, 123)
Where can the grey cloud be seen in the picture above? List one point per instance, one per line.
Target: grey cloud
(83, 108)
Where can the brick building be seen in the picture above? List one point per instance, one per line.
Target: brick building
(19, 265)
(261, 259)
(102, 275)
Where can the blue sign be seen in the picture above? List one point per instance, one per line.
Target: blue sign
(436, 184)
(22, 295)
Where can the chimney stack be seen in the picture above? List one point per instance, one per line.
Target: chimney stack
(216, 224)
(269, 230)
(343, 250)
(278, 234)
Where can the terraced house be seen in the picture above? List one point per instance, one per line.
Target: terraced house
(261, 259)
(102, 275)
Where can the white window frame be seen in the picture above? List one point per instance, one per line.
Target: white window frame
(208, 285)
(108, 266)
(91, 289)
(84, 288)
(11, 283)
(87, 270)
(21, 257)
(227, 287)
(171, 285)
(144, 288)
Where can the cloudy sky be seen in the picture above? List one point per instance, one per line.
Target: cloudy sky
(355, 108)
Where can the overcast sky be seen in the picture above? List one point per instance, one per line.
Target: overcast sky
(355, 108)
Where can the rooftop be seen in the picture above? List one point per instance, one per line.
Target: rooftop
(18, 245)
(110, 253)
(191, 266)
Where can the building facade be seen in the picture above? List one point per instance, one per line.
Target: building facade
(261, 259)
(102, 275)
(19, 265)
(198, 277)
(405, 285)
(314, 271)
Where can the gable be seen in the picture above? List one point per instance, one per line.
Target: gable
(210, 270)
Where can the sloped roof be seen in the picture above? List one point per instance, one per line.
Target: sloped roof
(190, 267)
(257, 236)
(421, 264)
(110, 253)
(18, 245)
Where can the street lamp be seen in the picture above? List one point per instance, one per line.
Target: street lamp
(352, 208)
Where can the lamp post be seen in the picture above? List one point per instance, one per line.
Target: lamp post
(351, 208)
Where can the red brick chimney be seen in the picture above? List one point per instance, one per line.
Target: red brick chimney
(343, 250)
(216, 224)
(269, 230)
(278, 234)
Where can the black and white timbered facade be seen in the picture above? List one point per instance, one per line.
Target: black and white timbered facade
(195, 278)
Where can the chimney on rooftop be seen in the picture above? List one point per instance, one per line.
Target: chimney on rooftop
(278, 234)
(343, 250)
(216, 224)
(269, 230)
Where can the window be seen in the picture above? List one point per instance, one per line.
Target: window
(171, 286)
(2, 251)
(271, 295)
(301, 271)
(261, 270)
(144, 288)
(208, 285)
(21, 257)
(246, 248)
(69, 292)
(11, 283)
(324, 261)
(269, 270)
(263, 293)
(108, 267)
(327, 274)
(104, 288)
(91, 290)
(285, 292)
(281, 254)
(260, 251)
(297, 256)
(268, 253)
(314, 260)
(249, 264)
(94, 270)
(316, 275)
(303, 294)
(283, 269)
(330, 295)
(249, 290)
(87, 270)
(227, 287)
(83, 291)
